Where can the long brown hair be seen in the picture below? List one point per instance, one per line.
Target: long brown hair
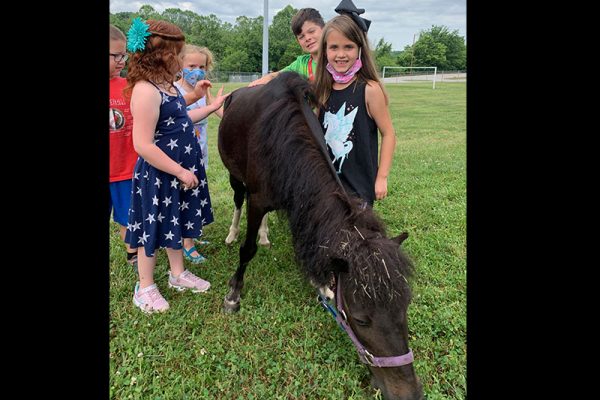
(347, 27)
(157, 61)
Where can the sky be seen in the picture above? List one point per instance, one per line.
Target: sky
(396, 21)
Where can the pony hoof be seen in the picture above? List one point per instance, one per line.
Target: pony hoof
(230, 307)
(232, 237)
(265, 243)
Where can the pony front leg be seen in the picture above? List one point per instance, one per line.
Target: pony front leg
(247, 251)
(231, 302)
(263, 232)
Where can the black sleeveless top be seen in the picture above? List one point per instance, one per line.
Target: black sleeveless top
(351, 137)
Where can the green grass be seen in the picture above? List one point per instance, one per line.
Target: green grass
(282, 345)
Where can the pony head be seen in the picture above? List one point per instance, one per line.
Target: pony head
(371, 273)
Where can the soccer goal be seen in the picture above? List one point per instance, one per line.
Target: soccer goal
(406, 74)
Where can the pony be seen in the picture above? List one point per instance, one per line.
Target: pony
(273, 146)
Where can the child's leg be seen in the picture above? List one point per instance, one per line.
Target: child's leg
(194, 256)
(182, 279)
(188, 243)
(146, 268)
(175, 261)
(120, 193)
(203, 141)
(122, 231)
(146, 295)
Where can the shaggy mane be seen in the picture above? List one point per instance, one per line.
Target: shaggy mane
(327, 225)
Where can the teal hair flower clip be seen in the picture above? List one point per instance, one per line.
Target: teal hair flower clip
(136, 36)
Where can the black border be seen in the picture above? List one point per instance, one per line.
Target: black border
(60, 275)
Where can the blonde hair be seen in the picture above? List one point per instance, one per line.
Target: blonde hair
(116, 34)
(323, 79)
(193, 49)
(156, 62)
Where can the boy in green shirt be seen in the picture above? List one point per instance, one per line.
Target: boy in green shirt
(307, 25)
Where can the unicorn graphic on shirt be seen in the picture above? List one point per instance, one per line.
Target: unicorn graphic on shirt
(338, 126)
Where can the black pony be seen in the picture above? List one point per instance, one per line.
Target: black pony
(272, 144)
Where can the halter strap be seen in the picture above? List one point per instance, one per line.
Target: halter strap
(363, 354)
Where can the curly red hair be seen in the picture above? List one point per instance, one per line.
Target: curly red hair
(159, 58)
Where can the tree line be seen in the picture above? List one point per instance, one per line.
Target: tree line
(238, 47)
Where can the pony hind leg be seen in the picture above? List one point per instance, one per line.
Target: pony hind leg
(247, 252)
(263, 232)
(239, 191)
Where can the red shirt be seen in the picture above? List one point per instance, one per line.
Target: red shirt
(122, 154)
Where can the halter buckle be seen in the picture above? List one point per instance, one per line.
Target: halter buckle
(343, 314)
(369, 358)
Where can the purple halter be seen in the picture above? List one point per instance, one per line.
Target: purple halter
(363, 354)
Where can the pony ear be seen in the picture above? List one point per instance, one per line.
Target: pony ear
(339, 265)
(400, 238)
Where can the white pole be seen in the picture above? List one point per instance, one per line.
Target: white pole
(434, 73)
(265, 43)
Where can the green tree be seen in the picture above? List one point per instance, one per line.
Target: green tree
(185, 20)
(211, 32)
(147, 12)
(437, 47)
(291, 52)
(429, 53)
(383, 55)
(456, 51)
(121, 20)
(246, 37)
(405, 58)
(283, 48)
(235, 60)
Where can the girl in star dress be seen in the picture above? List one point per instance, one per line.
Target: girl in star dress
(170, 198)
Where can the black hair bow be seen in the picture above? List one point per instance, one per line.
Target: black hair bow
(348, 7)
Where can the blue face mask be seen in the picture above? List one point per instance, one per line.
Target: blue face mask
(193, 76)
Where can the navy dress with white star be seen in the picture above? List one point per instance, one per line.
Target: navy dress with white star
(161, 211)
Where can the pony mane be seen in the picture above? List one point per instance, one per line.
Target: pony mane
(379, 270)
(327, 225)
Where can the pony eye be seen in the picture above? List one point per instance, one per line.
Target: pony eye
(361, 322)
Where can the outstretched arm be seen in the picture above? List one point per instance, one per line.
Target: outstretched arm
(145, 108)
(198, 114)
(265, 79)
(379, 111)
(199, 92)
(210, 100)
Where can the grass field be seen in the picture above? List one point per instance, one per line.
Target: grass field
(282, 344)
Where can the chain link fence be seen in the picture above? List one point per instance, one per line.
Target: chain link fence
(400, 76)
(217, 76)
